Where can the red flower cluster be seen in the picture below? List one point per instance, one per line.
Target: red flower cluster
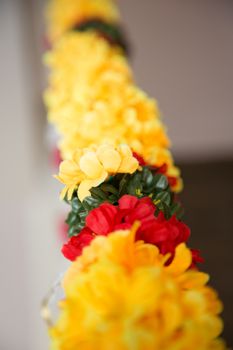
(165, 234)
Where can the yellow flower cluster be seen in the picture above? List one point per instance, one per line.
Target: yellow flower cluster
(120, 295)
(90, 167)
(92, 99)
(64, 14)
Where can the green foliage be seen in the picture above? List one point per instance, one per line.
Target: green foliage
(143, 183)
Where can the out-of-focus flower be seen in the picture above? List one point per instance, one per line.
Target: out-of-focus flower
(165, 234)
(91, 88)
(90, 167)
(64, 14)
(197, 258)
(120, 294)
(56, 158)
(74, 247)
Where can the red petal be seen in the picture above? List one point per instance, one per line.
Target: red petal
(197, 258)
(141, 211)
(101, 220)
(123, 226)
(139, 158)
(128, 202)
(73, 248)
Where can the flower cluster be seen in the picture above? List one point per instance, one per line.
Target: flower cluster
(165, 234)
(91, 88)
(90, 167)
(120, 294)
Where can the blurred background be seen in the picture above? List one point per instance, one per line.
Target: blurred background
(182, 56)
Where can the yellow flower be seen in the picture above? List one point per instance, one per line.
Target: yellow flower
(64, 14)
(90, 167)
(120, 295)
(95, 100)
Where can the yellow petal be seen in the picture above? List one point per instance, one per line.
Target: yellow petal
(70, 192)
(129, 164)
(67, 167)
(77, 155)
(63, 192)
(125, 151)
(109, 157)
(90, 165)
(59, 178)
(193, 279)
(86, 185)
(182, 260)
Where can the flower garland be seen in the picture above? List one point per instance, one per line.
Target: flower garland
(133, 283)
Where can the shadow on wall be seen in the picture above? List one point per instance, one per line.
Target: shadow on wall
(208, 202)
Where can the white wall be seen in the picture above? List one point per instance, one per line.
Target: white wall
(30, 257)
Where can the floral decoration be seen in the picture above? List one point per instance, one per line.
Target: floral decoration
(133, 283)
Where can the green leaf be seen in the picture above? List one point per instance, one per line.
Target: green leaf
(87, 206)
(83, 215)
(148, 181)
(166, 211)
(135, 186)
(113, 199)
(98, 193)
(76, 205)
(175, 208)
(109, 188)
(92, 202)
(72, 231)
(161, 181)
(123, 185)
(163, 197)
(71, 219)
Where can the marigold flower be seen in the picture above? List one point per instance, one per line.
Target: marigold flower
(155, 307)
(90, 167)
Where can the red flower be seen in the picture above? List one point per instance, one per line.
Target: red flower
(139, 158)
(75, 245)
(132, 209)
(165, 234)
(196, 257)
(102, 219)
(56, 158)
